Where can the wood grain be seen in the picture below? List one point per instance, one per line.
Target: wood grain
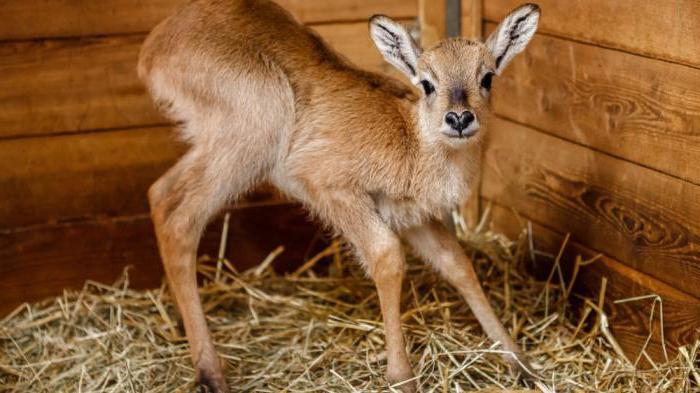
(63, 86)
(72, 85)
(662, 29)
(431, 16)
(30, 19)
(638, 216)
(39, 262)
(629, 321)
(472, 12)
(78, 176)
(73, 176)
(636, 108)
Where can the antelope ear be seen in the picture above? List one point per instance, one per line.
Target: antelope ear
(396, 45)
(513, 34)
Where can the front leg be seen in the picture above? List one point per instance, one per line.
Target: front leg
(435, 244)
(379, 250)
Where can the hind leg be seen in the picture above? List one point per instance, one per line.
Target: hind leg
(182, 203)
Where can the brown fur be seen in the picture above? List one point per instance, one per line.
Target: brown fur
(260, 97)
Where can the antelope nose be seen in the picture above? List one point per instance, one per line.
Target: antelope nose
(459, 122)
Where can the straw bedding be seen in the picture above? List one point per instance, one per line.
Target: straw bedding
(319, 330)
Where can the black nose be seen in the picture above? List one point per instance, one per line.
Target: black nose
(459, 123)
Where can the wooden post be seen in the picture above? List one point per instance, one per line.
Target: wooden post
(431, 16)
(471, 18)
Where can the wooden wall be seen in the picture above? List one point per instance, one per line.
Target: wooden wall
(80, 143)
(597, 134)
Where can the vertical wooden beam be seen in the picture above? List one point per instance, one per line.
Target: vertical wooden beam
(453, 18)
(431, 16)
(472, 18)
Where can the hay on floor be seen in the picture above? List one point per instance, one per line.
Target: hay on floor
(320, 330)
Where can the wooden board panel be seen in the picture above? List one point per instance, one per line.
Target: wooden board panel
(354, 42)
(431, 15)
(69, 85)
(41, 261)
(27, 19)
(663, 29)
(629, 321)
(71, 176)
(72, 85)
(638, 216)
(472, 11)
(640, 109)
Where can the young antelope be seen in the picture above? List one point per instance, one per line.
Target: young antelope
(261, 98)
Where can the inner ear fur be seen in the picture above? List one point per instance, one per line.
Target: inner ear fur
(396, 45)
(513, 34)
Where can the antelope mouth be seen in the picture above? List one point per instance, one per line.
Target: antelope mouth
(464, 134)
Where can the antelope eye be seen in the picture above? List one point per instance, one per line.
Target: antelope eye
(428, 87)
(486, 81)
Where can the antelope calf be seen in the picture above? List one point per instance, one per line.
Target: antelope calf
(260, 97)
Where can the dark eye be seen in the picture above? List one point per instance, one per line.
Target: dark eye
(486, 81)
(428, 87)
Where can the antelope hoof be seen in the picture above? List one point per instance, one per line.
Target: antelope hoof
(523, 365)
(408, 387)
(207, 383)
(396, 378)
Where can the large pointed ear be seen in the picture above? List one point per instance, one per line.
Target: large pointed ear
(396, 45)
(513, 34)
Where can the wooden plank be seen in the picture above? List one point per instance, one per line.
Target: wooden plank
(662, 29)
(353, 10)
(73, 85)
(39, 262)
(71, 177)
(472, 11)
(431, 16)
(629, 321)
(353, 41)
(29, 19)
(640, 109)
(638, 216)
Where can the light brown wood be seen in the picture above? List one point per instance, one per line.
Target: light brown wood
(344, 10)
(71, 176)
(471, 18)
(640, 217)
(629, 321)
(353, 41)
(75, 85)
(640, 109)
(431, 16)
(72, 85)
(42, 261)
(74, 177)
(28, 19)
(661, 29)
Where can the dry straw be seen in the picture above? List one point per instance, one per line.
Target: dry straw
(319, 330)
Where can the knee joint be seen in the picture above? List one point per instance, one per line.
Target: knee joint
(386, 262)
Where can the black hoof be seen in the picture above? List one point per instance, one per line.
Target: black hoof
(206, 384)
